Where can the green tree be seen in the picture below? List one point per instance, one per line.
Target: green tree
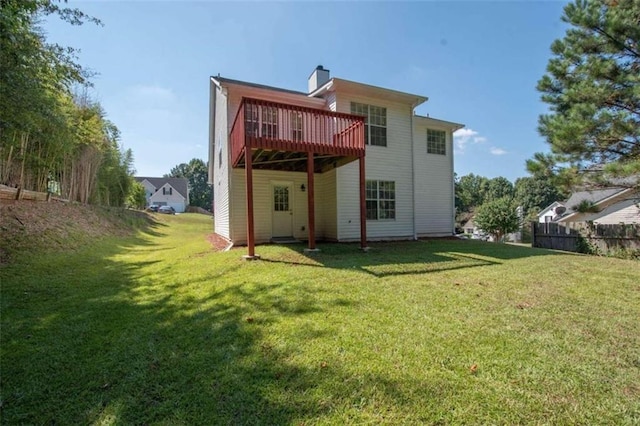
(498, 187)
(497, 217)
(137, 197)
(40, 124)
(196, 172)
(592, 86)
(471, 191)
(535, 193)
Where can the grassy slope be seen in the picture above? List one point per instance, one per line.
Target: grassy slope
(158, 329)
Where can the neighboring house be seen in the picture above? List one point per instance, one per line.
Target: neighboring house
(606, 206)
(470, 227)
(344, 162)
(172, 192)
(473, 230)
(555, 210)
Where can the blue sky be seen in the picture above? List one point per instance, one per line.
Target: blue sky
(478, 62)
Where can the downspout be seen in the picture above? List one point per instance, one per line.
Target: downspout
(413, 175)
(453, 185)
(225, 92)
(212, 146)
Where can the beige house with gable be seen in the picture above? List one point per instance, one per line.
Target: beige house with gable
(345, 161)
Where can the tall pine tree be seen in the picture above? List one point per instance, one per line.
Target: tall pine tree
(592, 86)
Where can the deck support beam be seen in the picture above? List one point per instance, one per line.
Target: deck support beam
(311, 202)
(363, 207)
(251, 242)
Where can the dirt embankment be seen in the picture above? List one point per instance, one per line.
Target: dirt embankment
(30, 225)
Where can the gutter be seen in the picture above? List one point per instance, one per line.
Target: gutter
(453, 188)
(212, 134)
(453, 181)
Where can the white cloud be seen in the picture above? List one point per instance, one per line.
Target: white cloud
(497, 151)
(464, 137)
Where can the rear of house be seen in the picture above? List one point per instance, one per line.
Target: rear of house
(372, 158)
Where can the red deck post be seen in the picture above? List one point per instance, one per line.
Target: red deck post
(311, 202)
(249, 179)
(363, 207)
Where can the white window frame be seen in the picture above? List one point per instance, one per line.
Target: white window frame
(296, 126)
(252, 120)
(436, 142)
(381, 194)
(375, 121)
(269, 122)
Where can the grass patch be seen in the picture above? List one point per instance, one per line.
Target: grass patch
(157, 328)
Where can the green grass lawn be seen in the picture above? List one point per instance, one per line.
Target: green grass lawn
(160, 329)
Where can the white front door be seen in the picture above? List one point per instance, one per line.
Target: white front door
(282, 206)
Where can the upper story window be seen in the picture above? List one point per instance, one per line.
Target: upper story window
(261, 121)
(296, 126)
(251, 120)
(375, 123)
(380, 199)
(167, 191)
(436, 142)
(269, 122)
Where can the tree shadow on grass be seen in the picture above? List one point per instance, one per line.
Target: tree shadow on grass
(407, 257)
(89, 341)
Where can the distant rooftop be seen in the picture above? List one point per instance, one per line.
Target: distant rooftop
(594, 197)
(179, 184)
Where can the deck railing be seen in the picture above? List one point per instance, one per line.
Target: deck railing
(277, 126)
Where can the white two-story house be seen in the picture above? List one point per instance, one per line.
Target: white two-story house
(344, 162)
(161, 191)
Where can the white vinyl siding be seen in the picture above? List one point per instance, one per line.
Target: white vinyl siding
(626, 211)
(390, 163)
(263, 203)
(326, 205)
(433, 182)
(220, 182)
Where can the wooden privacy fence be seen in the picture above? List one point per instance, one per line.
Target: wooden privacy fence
(585, 237)
(9, 193)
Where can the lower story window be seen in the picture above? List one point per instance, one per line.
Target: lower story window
(381, 199)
